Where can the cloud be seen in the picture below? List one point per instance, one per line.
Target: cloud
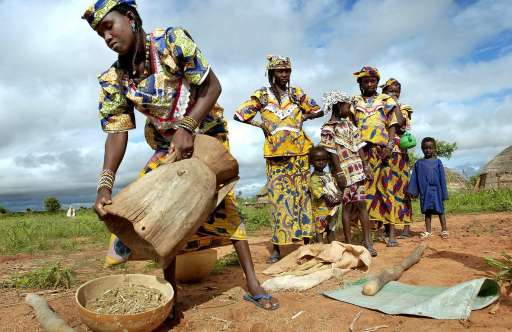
(50, 133)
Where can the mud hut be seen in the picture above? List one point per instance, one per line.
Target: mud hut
(497, 173)
(455, 181)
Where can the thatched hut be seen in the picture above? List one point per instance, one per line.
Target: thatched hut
(262, 195)
(497, 173)
(455, 181)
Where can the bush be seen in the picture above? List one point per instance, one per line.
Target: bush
(51, 204)
(3, 210)
(52, 277)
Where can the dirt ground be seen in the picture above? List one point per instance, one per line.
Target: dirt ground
(206, 308)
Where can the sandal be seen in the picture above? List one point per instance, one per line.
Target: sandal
(274, 258)
(444, 235)
(256, 299)
(425, 235)
(392, 243)
(370, 248)
(380, 236)
(403, 235)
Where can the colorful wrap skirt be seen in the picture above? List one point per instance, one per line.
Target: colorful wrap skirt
(288, 192)
(224, 222)
(386, 190)
(398, 180)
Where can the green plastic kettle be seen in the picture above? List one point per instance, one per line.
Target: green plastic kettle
(407, 141)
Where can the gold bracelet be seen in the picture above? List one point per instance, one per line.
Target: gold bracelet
(186, 127)
(109, 172)
(189, 123)
(107, 177)
(192, 121)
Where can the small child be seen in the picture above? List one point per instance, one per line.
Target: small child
(428, 181)
(325, 196)
(342, 139)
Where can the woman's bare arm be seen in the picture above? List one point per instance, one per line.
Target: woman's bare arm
(115, 147)
(207, 94)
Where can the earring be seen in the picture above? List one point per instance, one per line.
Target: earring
(134, 27)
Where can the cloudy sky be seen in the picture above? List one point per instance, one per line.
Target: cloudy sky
(453, 57)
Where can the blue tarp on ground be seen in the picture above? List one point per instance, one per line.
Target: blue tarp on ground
(395, 298)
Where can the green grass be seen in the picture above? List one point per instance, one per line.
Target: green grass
(228, 260)
(255, 217)
(42, 231)
(504, 267)
(34, 232)
(496, 200)
(483, 201)
(54, 276)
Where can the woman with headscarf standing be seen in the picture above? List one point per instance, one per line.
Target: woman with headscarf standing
(378, 117)
(398, 177)
(165, 76)
(283, 110)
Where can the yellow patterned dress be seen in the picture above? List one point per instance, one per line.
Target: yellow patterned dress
(374, 116)
(399, 174)
(286, 152)
(165, 95)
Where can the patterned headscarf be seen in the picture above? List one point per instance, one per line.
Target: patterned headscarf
(96, 12)
(367, 71)
(278, 62)
(331, 98)
(389, 82)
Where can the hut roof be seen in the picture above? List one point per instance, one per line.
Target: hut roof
(501, 163)
(455, 180)
(263, 191)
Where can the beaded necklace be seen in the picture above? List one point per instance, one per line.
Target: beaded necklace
(147, 61)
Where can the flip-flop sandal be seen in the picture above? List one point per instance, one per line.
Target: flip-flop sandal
(372, 251)
(256, 299)
(381, 238)
(425, 235)
(273, 259)
(392, 244)
(405, 236)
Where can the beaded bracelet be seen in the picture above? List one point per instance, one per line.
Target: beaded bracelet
(189, 123)
(106, 180)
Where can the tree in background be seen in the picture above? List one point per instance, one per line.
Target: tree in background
(51, 204)
(3, 210)
(445, 149)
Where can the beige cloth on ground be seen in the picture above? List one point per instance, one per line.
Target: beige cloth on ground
(310, 265)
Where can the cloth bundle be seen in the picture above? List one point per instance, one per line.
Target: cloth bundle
(310, 265)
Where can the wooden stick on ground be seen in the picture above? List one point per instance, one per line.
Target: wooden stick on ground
(48, 319)
(375, 284)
